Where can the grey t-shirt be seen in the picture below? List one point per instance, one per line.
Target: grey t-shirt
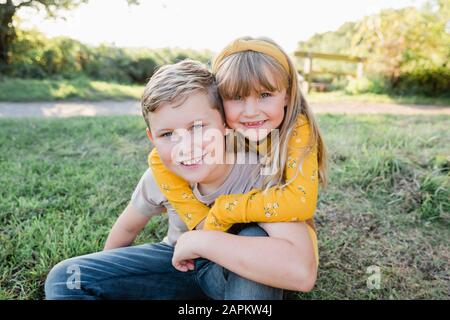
(148, 199)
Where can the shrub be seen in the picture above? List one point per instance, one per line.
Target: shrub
(37, 57)
(429, 82)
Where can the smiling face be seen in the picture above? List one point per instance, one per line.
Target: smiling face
(256, 114)
(189, 137)
(253, 87)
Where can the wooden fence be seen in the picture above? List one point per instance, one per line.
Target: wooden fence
(308, 71)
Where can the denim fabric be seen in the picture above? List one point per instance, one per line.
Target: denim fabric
(146, 272)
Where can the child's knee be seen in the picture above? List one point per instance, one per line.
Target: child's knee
(61, 278)
(240, 288)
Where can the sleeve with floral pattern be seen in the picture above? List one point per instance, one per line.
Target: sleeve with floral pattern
(294, 202)
(178, 192)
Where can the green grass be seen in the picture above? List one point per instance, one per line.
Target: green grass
(64, 182)
(24, 90)
(342, 96)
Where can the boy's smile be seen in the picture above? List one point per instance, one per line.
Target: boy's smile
(189, 137)
(192, 163)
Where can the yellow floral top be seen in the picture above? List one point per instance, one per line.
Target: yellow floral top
(295, 202)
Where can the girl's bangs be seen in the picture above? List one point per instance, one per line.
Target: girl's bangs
(249, 72)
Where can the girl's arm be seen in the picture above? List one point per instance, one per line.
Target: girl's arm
(284, 260)
(178, 192)
(295, 202)
(126, 228)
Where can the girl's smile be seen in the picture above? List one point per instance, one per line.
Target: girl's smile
(254, 124)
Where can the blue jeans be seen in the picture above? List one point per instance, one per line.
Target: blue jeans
(146, 272)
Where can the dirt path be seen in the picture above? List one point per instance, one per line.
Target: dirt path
(132, 107)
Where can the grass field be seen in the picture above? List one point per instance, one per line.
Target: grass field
(63, 183)
(341, 96)
(23, 90)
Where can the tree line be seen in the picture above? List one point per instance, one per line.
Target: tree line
(406, 50)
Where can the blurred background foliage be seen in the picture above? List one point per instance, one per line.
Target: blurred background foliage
(407, 51)
(33, 55)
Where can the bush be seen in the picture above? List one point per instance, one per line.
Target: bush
(141, 69)
(429, 82)
(36, 57)
(432, 82)
(373, 84)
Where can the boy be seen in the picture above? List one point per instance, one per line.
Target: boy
(178, 102)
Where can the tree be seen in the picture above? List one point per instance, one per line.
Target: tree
(399, 41)
(9, 8)
(402, 47)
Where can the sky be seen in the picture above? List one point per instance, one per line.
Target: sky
(202, 24)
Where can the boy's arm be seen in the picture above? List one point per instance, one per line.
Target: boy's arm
(284, 260)
(178, 192)
(126, 228)
(146, 202)
(295, 202)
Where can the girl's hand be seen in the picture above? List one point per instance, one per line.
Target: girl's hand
(184, 253)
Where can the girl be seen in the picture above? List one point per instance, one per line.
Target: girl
(259, 87)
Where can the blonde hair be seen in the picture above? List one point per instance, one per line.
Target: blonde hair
(175, 83)
(243, 72)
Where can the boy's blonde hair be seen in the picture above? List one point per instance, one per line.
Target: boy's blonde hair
(175, 83)
(243, 72)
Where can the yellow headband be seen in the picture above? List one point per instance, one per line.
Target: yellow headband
(261, 46)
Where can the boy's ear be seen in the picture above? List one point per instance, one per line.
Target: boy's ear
(149, 134)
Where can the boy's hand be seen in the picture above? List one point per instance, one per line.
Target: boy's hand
(184, 253)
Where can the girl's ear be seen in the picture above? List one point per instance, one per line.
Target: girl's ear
(286, 99)
(149, 134)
